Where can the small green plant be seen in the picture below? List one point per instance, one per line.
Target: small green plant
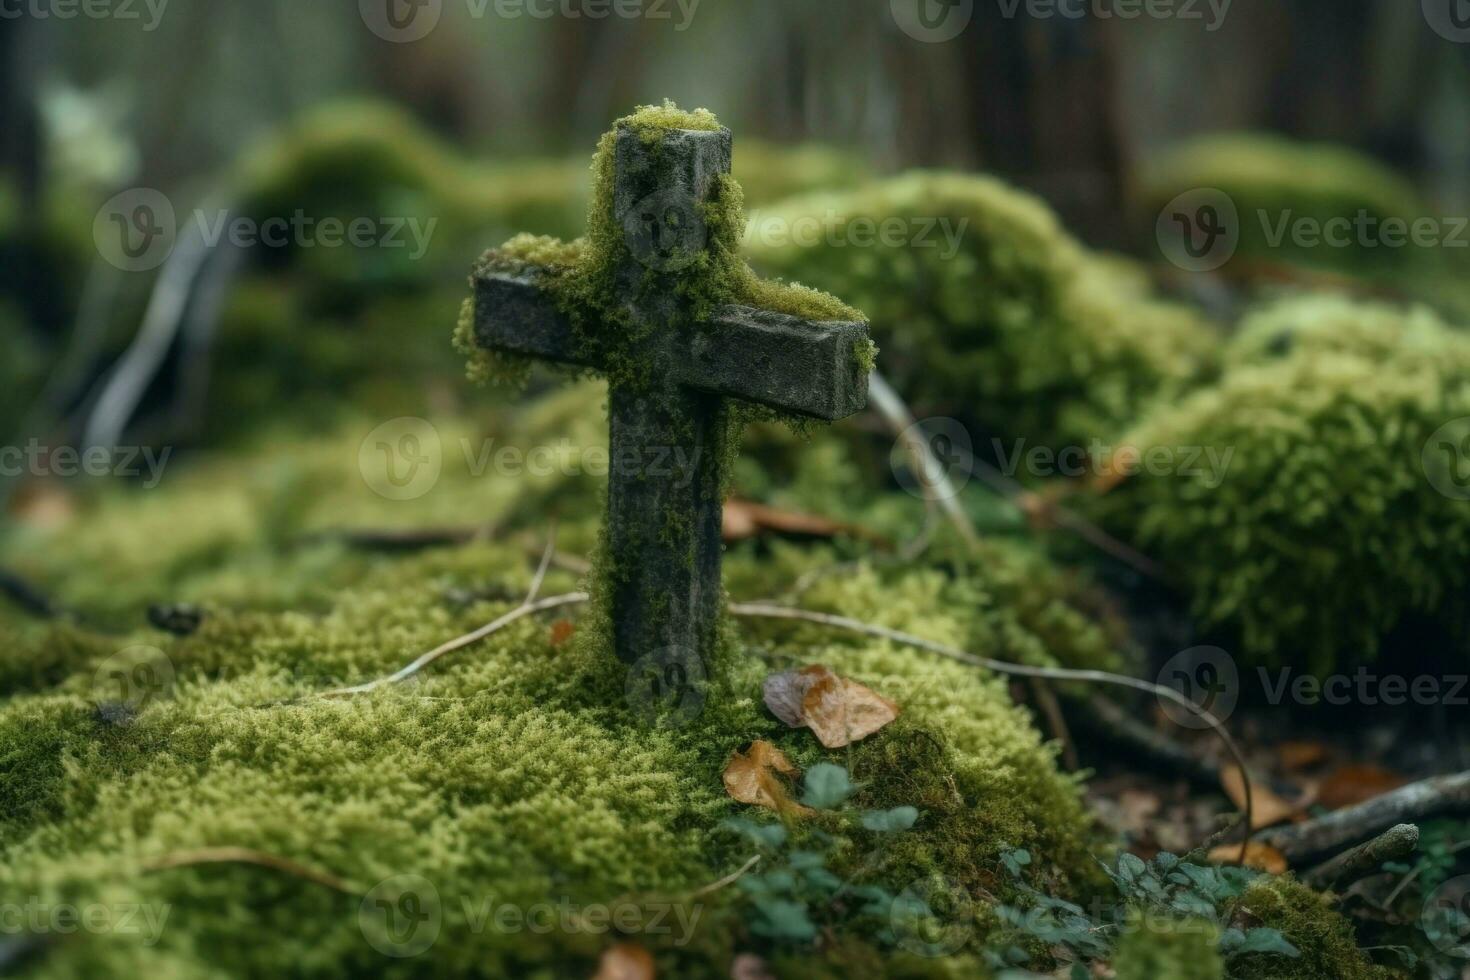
(1167, 896)
(796, 892)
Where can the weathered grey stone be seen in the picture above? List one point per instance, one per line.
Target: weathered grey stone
(667, 438)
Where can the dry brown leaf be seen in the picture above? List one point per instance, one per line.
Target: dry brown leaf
(1262, 857)
(561, 631)
(785, 692)
(625, 961)
(1268, 808)
(1115, 468)
(754, 776)
(838, 710)
(842, 711)
(1296, 756)
(1350, 785)
(745, 519)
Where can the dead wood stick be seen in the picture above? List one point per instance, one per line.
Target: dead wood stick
(1046, 700)
(1319, 838)
(27, 596)
(1397, 842)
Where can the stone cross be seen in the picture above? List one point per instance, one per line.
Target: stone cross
(667, 441)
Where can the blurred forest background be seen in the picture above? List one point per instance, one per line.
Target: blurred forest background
(1073, 109)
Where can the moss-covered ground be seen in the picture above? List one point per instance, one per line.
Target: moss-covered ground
(517, 772)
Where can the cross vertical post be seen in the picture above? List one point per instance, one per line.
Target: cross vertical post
(668, 435)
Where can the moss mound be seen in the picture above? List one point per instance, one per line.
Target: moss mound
(1324, 938)
(985, 308)
(1159, 950)
(1335, 519)
(513, 773)
(1270, 178)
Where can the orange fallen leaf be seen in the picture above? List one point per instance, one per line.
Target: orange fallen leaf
(838, 710)
(745, 519)
(1296, 756)
(1350, 785)
(754, 776)
(561, 631)
(1262, 857)
(625, 961)
(1116, 467)
(1268, 808)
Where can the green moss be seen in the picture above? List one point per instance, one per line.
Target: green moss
(1151, 949)
(986, 309)
(770, 172)
(1317, 324)
(1323, 528)
(512, 772)
(1269, 177)
(1325, 939)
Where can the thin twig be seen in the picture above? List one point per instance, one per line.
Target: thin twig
(245, 855)
(1046, 700)
(459, 643)
(540, 575)
(770, 611)
(729, 879)
(939, 491)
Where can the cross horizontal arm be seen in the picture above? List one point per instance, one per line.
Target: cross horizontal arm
(514, 313)
(783, 362)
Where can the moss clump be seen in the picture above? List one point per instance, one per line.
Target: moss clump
(1317, 324)
(1153, 949)
(770, 172)
(985, 308)
(1270, 178)
(1325, 527)
(513, 772)
(1325, 940)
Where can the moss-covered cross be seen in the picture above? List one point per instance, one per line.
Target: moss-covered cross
(657, 299)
